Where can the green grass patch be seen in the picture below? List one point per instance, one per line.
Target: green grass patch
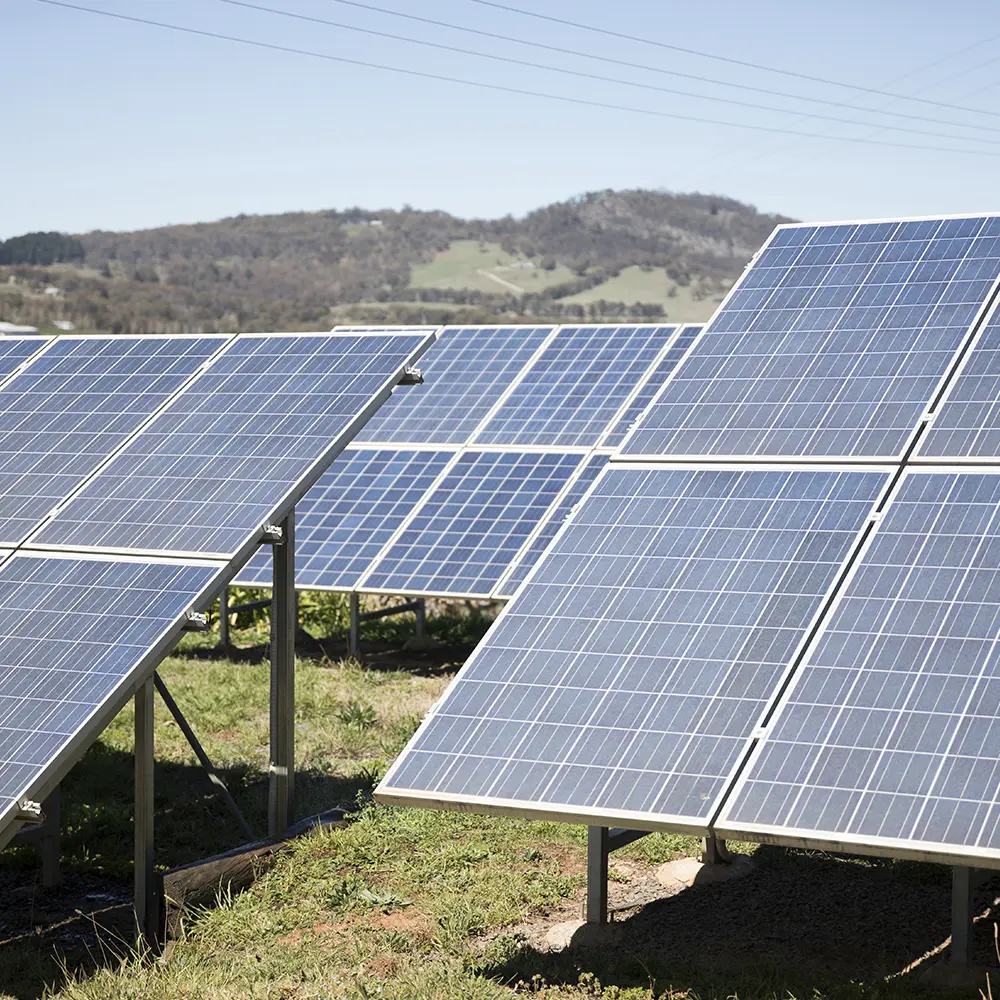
(486, 267)
(636, 284)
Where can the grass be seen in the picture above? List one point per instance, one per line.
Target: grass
(467, 264)
(649, 286)
(401, 905)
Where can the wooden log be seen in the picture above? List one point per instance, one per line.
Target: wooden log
(199, 884)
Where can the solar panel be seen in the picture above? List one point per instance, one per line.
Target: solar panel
(384, 329)
(967, 424)
(267, 415)
(548, 529)
(75, 635)
(890, 734)
(344, 521)
(651, 386)
(15, 351)
(74, 405)
(624, 680)
(833, 343)
(467, 372)
(465, 534)
(577, 387)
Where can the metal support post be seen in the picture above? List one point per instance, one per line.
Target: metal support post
(354, 626)
(421, 611)
(597, 874)
(713, 851)
(48, 844)
(224, 618)
(203, 758)
(601, 841)
(282, 769)
(148, 898)
(961, 916)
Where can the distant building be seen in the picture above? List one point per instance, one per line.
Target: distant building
(63, 324)
(14, 328)
(52, 290)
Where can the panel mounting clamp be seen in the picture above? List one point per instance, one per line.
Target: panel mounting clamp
(273, 535)
(29, 811)
(196, 621)
(412, 376)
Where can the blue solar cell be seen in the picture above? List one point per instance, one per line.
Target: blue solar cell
(14, 351)
(890, 732)
(344, 521)
(466, 372)
(75, 635)
(834, 343)
(574, 391)
(967, 425)
(226, 454)
(551, 525)
(73, 406)
(652, 385)
(466, 532)
(626, 677)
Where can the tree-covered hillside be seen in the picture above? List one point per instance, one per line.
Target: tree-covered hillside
(307, 270)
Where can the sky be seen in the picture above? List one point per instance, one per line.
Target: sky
(110, 124)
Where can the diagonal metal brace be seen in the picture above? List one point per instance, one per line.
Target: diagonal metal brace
(199, 751)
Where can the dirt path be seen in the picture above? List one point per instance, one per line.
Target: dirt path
(500, 281)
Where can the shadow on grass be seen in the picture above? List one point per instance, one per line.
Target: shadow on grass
(800, 925)
(377, 655)
(87, 922)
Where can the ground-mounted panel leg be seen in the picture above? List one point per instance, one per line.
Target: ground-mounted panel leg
(597, 874)
(224, 618)
(961, 916)
(148, 896)
(48, 845)
(283, 625)
(354, 626)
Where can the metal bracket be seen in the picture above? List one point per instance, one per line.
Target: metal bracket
(197, 621)
(29, 811)
(412, 376)
(273, 535)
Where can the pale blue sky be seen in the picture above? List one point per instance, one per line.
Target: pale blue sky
(116, 125)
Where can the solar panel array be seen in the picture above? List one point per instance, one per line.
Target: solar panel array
(488, 390)
(154, 438)
(799, 648)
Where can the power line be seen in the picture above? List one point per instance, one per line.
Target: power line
(727, 59)
(501, 88)
(758, 153)
(496, 36)
(606, 79)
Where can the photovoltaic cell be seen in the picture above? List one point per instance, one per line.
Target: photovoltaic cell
(967, 424)
(652, 385)
(466, 372)
(74, 633)
(628, 673)
(891, 730)
(74, 406)
(466, 533)
(833, 343)
(216, 464)
(551, 525)
(14, 351)
(351, 513)
(577, 387)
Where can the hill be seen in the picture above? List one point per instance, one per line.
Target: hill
(604, 255)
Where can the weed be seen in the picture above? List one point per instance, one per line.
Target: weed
(357, 715)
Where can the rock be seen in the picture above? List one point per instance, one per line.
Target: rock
(687, 872)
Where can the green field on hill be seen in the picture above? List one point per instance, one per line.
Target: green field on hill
(486, 267)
